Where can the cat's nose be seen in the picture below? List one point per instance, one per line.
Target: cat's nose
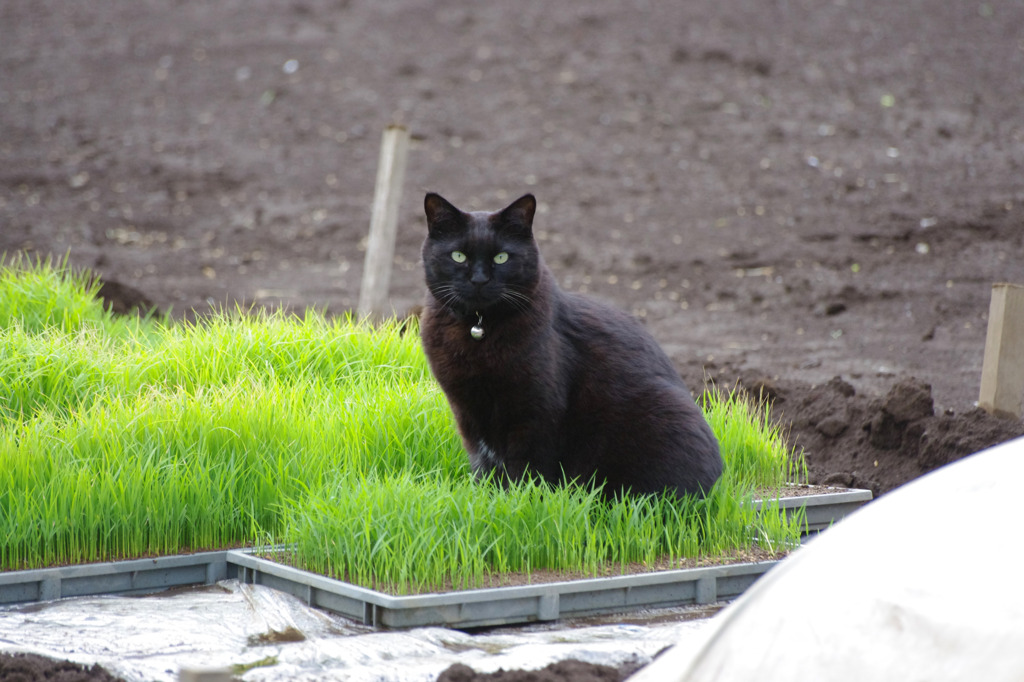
(479, 277)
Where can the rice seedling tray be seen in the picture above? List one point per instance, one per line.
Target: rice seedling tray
(134, 576)
(505, 605)
(823, 506)
(461, 609)
(458, 609)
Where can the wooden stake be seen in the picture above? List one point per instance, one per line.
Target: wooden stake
(1002, 371)
(380, 249)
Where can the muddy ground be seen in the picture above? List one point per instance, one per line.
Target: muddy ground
(32, 668)
(809, 197)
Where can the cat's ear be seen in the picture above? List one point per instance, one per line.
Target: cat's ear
(517, 218)
(442, 217)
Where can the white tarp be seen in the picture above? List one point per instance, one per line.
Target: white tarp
(150, 638)
(925, 583)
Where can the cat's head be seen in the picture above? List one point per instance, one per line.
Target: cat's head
(481, 262)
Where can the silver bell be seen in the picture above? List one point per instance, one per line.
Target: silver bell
(477, 330)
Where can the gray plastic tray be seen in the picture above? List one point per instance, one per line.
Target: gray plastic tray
(824, 509)
(136, 576)
(463, 609)
(505, 605)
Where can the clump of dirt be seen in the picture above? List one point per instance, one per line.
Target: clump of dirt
(33, 668)
(561, 671)
(877, 443)
(123, 299)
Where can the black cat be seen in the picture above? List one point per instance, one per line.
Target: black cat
(548, 383)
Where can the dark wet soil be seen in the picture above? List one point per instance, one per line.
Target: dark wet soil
(33, 668)
(810, 199)
(561, 671)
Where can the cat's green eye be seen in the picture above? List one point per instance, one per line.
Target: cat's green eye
(501, 258)
(458, 257)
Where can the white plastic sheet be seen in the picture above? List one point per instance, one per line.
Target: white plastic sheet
(152, 637)
(926, 583)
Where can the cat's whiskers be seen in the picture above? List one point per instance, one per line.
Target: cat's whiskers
(446, 294)
(516, 299)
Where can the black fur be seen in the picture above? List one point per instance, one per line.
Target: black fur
(559, 386)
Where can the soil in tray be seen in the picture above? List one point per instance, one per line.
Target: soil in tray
(798, 490)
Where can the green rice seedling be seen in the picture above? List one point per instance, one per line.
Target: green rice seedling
(221, 419)
(755, 448)
(405, 533)
(195, 460)
(121, 439)
(46, 294)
